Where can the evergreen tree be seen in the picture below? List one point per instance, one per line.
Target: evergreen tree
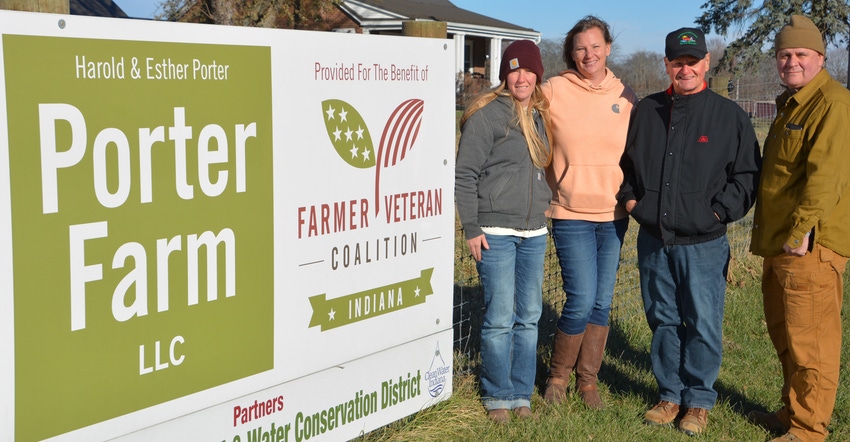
(764, 19)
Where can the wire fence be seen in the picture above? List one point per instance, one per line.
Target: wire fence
(755, 99)
(468, 297)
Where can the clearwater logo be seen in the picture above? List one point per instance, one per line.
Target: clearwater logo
(437, 375)
(352, 139)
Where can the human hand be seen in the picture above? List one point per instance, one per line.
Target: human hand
(797, 251)
(476, 245)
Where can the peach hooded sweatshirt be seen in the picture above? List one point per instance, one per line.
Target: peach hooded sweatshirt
(589, 125)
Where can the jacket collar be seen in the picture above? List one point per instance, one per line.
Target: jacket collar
(671, 92)
(806, 92)
(670, 96)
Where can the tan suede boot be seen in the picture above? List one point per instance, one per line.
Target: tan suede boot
(564, 353)
(588, 364)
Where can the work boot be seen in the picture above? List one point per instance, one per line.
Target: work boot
(663, 413)
(564, 353)
(588, 364)
(694, 422)
(499, 415)
(768, 421)
(523, 412)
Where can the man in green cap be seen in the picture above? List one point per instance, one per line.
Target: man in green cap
(801, 229)
(691, 167)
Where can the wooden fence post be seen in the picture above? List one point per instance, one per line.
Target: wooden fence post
(432, 29)
(720, 84)
(50, 6)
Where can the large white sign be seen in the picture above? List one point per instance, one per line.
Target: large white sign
(219, 233)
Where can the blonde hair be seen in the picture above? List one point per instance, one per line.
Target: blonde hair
(538, 149)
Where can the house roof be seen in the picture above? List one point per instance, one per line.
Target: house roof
(388, 14)
(100, 8)
(438, 10)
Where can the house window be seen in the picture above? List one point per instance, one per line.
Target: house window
(467, 57)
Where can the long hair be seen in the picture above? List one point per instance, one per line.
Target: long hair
(585, 24)
(538, 148)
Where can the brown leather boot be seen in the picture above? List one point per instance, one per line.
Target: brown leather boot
(564, 353)
(588, 364)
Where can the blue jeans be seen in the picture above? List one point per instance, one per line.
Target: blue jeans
(589, 254)
(684, 289)
(511, 272)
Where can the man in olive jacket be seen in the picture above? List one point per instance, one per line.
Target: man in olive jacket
(802, 228)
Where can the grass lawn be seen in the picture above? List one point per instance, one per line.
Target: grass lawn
(750, 376)
(749, 379)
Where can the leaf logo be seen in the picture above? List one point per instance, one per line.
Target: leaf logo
(398, 138)
(352, 141)
(348, 134)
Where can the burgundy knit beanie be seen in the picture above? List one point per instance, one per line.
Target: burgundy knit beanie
(521, 54)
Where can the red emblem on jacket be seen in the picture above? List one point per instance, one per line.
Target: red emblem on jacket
(703, 139)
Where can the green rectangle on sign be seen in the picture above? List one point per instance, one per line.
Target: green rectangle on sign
(142, 224)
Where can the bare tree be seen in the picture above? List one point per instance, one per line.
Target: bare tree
(551, 51)
(288, 14)
(836, 64)
(759, 82)
(643, 71)
(223, 11)
(716, 47)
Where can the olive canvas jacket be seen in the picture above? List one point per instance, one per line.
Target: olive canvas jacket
(804, 184)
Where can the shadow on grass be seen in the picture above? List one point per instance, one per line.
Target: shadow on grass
(630, 369)
(627, 369)
(468, 317)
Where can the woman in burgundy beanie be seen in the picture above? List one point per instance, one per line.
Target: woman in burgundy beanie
(502, 196)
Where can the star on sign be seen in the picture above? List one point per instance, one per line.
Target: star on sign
(330, 112)
(417, 291)
(366, 154)
(331, 315)
(336, 134)
(342, 114)
(353, 152)
(360, 133)
(348, 134)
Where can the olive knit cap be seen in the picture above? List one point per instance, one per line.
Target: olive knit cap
(801, 32)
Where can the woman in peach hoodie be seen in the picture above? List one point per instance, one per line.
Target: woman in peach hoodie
(590, 110)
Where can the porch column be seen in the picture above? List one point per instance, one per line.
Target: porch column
(495, 59)
(460, 47)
